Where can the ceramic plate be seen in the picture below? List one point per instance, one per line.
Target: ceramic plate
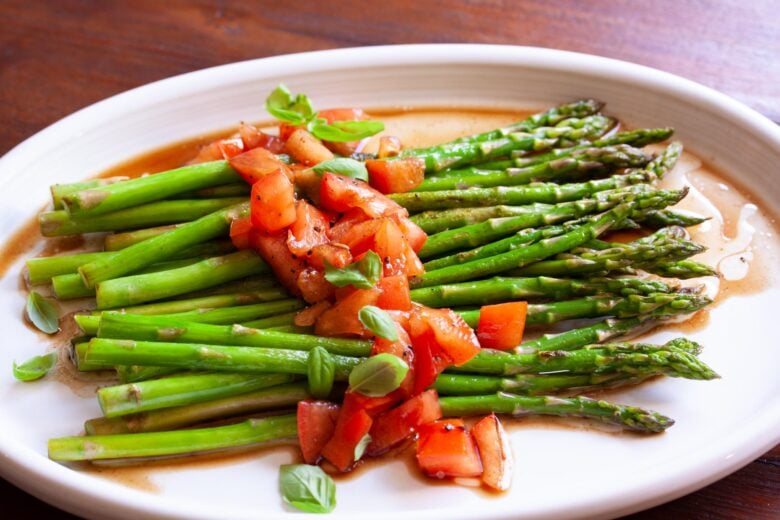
(721, 425)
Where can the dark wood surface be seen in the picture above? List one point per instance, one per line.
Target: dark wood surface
(59, 56)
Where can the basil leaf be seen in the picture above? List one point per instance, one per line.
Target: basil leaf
(321, 370)
(343, 166)
(378, 375)
(360, 449)
(379, 322)
(295, 110)
(341, 131)
(307, 488)
(43, 313)
(34, 368)
(363, 274)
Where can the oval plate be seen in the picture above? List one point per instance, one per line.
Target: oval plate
(721, 425)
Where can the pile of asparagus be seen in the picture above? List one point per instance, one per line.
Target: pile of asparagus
(197, 331)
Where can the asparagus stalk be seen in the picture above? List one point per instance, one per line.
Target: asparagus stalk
(142, 190)
(225, 190)
(628, 417)
(162, 246)
(136, 373)
(532, 384)
(141, 288)
(180, 390)
(252, 432)
(59, 223)
(275, 397)
(581, 336)
(60, 190)
(586, 162)
(673, 217)
(682, 269)
(117, 241)
(162, 328)
(500, 289)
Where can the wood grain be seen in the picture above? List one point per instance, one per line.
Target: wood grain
(59, 56)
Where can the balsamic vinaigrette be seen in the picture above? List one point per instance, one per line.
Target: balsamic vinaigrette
(740, 239)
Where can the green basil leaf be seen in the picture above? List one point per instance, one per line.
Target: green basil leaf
(43, 313)
(345, 131)
(35, 368)
(378, 375)
(360, 449)
(343, 166)
(307, 488)
(379, 322)
(363, 274)
(321, 370)
(296, 110)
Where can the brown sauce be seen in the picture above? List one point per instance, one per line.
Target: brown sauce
(727, 236)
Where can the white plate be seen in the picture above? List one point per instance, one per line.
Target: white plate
(721, 425)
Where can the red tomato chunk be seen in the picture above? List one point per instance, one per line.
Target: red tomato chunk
(445, 449)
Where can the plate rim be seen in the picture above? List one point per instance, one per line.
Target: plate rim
(32, 472)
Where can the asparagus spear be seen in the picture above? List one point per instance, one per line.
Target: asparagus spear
(162, 246)
(673, 217)
(272, 398)
(581, 336)
(588, 161)
(180, 390)
(59, 223)
(117, 241)
(682, 269)
(628, 417)
(142, 190)
(136, 373)
(162, 328)
(141, 288)
(225, 190)
(208, 302)
(252, 432)
(500, 289)
(532, 384)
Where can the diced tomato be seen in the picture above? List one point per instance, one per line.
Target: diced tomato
(495, 452)
(308, 316)
(398, 257)
(372, 405)
(306, 148)
(309, 229)
(389, 146)
(339, 193)
(414, 234)
(337, 255)
(445, 449)
(316, 424)
(344, 114)
(394, 293)
(400, 423)
(362, 236)
(344, 224)
(313, 286)
(257, 163)
(254, 138)
(307, 181)
(353, 424)
(501, 326)
(273, 249)
(273, 202)
(240, 230)
(286, 130)
(219, 149)
(397, 175)
(429, 360)
(342, 318)
(452, 334)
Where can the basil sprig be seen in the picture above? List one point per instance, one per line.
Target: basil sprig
(378, 375)
(43, 313)
(343, 166)
(34, 368)
(307, 488)
(379, 322)
(363, 274)
(297, 110)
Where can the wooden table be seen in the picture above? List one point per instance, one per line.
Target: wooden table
(59, 56)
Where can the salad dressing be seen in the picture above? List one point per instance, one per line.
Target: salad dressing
(741, 238)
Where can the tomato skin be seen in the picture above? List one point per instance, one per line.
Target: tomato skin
(344, 225)
(342, 318)
(398, 257)
(341, 194)
(336, 255)
(501, 326)
(257, 163)
(413, 233)
(252, 137)
(361, 237)
(219, 149)
(273, 202)
(445, 449)
(394, 426)
(352, 425)
(313, 286)
(240, 231)
(308, 316)
(272, 247)
(306, 148)
(396, 176)
(286, 130)
(429, 360)
(394, 293)
(495, 452)
(452, 335)
(373, 406)
(308, 230)
(316, 424)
